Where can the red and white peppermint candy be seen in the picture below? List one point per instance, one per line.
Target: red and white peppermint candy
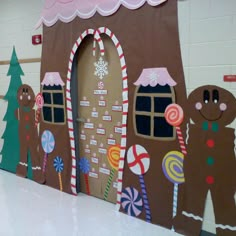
(39, 100)
(100, 85)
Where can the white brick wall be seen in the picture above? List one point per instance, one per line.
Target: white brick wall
(208, 45)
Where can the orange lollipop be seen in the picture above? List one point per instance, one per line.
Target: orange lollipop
(174, 116)
(113, 158)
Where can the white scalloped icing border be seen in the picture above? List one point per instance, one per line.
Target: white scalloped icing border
(66, 19)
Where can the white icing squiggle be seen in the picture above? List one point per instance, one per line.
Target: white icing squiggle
(187, 134)
(190, 215)
(23, 164)
(233, 228)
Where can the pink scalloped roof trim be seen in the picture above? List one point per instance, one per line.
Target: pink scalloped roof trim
(52, 78)
(154, 76)
(67, 10)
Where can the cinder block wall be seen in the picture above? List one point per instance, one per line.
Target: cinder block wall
(208, 44)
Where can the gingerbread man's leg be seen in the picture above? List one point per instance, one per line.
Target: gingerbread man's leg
(36, 165)
(190, 214)
(22, 166)
(225, 209)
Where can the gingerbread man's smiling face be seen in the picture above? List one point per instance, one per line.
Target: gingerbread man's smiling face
(25, 96)
(213, 104)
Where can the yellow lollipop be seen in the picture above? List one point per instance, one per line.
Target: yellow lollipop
(113, 158)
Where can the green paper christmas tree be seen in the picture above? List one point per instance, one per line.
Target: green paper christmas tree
(11, 147)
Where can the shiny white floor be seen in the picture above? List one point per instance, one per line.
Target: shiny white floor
(30, 209)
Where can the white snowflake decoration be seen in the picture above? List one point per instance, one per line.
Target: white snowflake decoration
(101, 68)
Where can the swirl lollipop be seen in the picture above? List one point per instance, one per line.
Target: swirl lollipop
(39, 103)
(84, 165)
(174, 116)
(113, 158)
(172, 166)
(139, 162)
(48, 144)
(59, 166)
(131, 201)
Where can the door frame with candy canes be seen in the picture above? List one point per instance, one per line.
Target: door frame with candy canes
(70, 118)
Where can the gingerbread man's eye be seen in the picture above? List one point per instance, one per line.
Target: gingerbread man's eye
(26, 90)
(206, 96)
(215, 96)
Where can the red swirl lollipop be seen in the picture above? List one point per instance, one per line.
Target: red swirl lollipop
(39, 103)
(139, 162)
(174, 116)
(39, 100)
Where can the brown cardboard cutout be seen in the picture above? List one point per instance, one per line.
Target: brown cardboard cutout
(149, 39)
(210, 164)
(28, 133)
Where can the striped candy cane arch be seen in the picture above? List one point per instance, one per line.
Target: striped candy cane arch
(97, 38)
(104, 30)
(68, 99)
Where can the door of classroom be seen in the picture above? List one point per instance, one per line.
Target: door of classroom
(100, 118)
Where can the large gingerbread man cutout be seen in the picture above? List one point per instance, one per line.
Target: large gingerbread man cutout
(28, 134)
(210, 164)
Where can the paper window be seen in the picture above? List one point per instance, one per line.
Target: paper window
(54, 105)
(149, 107)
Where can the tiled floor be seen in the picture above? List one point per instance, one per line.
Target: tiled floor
(30, 209)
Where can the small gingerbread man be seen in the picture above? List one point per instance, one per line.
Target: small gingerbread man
(28, 134)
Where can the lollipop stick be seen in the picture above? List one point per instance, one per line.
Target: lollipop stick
(181, 140)
(145, 199)
(37, 117)
(60, 181)
(87, 183)
(45, 161)
(109, 184)
(175, 199)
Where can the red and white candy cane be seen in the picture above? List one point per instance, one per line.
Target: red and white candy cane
(97, 38)
(39, 103)
(174, 115)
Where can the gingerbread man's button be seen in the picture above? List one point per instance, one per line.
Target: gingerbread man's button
(210, 161)
(210, 143)
(210, 179)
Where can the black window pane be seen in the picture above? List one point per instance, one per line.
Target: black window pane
(160, 104)
(58, 98)
(143, 124)
(143, 104)
(156, 89)
(59, 115)
(47, 98)
(54, 87)
(162, 128)
(47, 114)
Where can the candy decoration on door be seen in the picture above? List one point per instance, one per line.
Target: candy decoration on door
(85, 168)
(113, 159)
(139, 162)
